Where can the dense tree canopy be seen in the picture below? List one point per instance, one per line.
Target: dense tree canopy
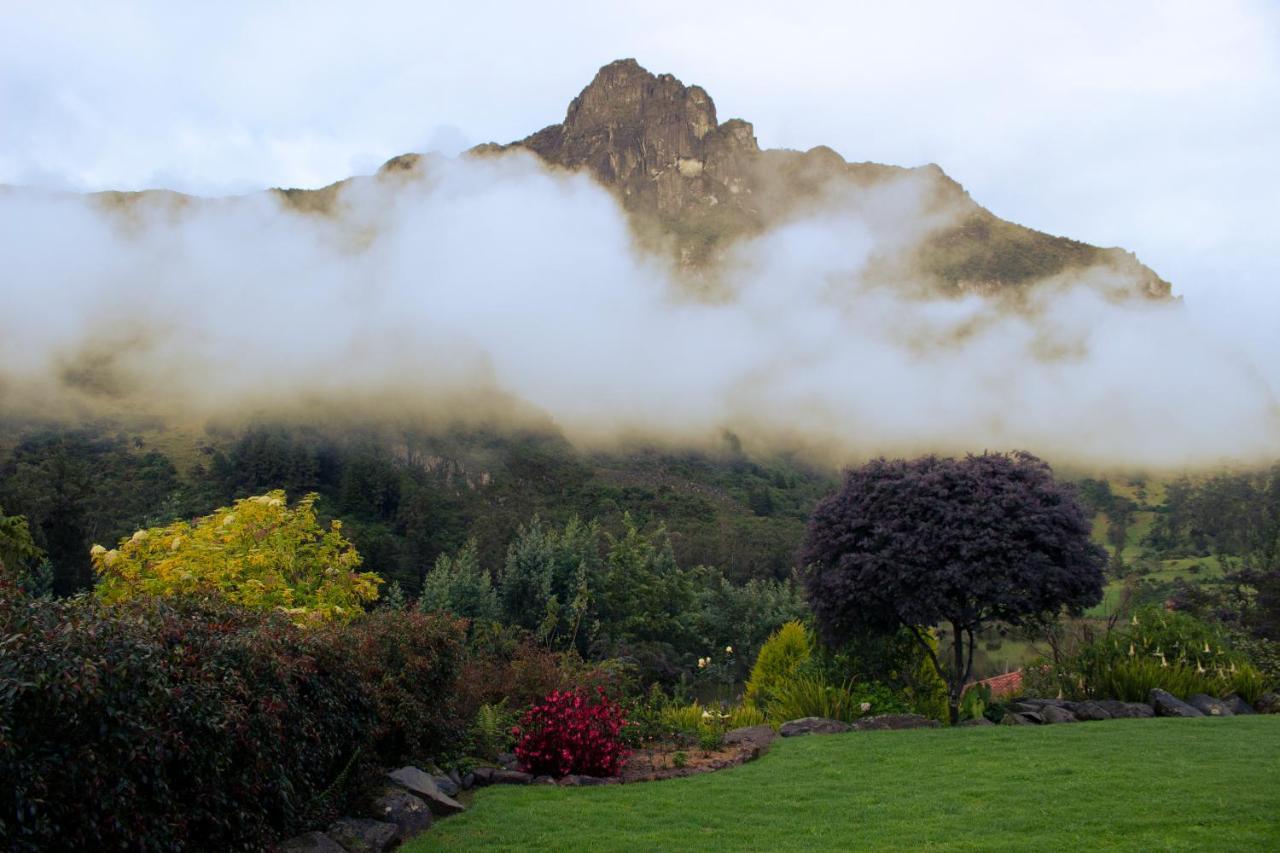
(948, 542)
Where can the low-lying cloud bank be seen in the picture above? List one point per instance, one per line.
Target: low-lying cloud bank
(491, 279)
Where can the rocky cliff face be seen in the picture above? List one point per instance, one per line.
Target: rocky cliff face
(693, 185)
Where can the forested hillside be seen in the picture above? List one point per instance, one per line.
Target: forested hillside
(405, 496)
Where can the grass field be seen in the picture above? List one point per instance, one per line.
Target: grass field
(1161, 784)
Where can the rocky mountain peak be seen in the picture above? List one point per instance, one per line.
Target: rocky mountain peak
(651, 138)
(693, 186)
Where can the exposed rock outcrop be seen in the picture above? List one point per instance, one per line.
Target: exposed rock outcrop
(694, 184)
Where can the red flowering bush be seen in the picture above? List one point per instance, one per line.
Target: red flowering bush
(569, 733)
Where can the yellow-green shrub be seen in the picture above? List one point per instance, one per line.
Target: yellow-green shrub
(258, 553)
(683, 718)
(745, 715)
(779, 660)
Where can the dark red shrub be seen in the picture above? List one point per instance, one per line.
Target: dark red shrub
(409, 665)
(168, 725)
(569, 733)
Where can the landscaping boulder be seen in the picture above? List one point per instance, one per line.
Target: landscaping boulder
(1168, 705)
(543, 780)
(455, 778)
(508, 761)
(310, 842)
(1209, 706)
(410, 814)
(1055, 714)
(468, 781)
(886, 722)
(579, 780)
(977, 721)
(1035, 704)
(1012, 718)
(760, 736)
(1089, 710)
(813, 726)
(447, 785)
(420, 784)
(1238, 706)
(363, 835)
(510, 777)
(482, 776)
(1268, 703)
(1123, 710)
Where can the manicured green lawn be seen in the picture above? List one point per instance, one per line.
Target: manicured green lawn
(1200, 784)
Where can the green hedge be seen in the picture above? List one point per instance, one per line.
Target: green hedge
(165, 725)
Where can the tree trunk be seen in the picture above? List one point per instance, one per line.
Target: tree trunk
(955, 684)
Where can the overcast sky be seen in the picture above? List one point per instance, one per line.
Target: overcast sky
(1150, 125)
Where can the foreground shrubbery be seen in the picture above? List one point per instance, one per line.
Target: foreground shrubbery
(1156, 649)
(796, 676)
(572, 732)
(162, 724)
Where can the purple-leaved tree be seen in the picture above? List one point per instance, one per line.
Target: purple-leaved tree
(949, 542)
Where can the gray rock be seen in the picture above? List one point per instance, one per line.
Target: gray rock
(508, 761)
(447, 785)
(363, 835)
(976, 721)
(510, 777)
(813, 726)
(482, 776)
(1209, 706)
(887, 722)
(1168, 705)
(576, 779)
(1012, 718)
(1268, 703)
(454, 777)
(407, 812)
(310, 842)
(1238, 706)
(1088, 711)
(543, 780)
(760, 736)
(1125, 710)
(416, 782)
(1054, 714)
(1036, 704)
(468, 781)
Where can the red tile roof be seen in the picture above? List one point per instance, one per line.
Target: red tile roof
(1003, 685)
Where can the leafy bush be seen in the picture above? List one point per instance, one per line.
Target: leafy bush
(683, 718)
(490, 733)
(259, 553)
(895, 662)
(710, 737)
(409, 665)
(745, 715)
(1172, 651)
(813, 696)
(975, 702)
(505, 663)
(780, 658)
(569, 733)
(164, 724)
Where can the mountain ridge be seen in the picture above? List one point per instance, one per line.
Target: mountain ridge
(687, 179)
